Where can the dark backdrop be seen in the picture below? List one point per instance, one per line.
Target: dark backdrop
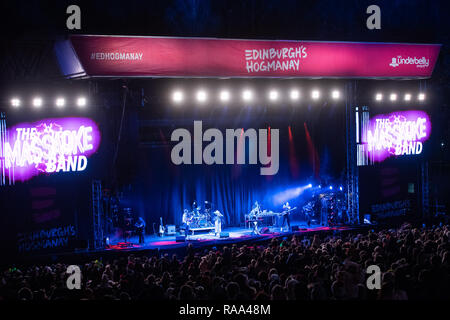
(313, 152)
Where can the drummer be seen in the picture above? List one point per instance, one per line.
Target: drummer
(195, 208)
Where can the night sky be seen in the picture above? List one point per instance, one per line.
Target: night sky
(28, 27)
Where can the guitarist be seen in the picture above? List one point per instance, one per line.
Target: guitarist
(140, 229)
(286, 214)
(162, 230)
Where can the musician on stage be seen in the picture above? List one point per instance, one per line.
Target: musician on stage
(186, 221)
(195, 207)
(140, 229)
(217, 222)
(286, 214)
(253, 216)
(257, 208)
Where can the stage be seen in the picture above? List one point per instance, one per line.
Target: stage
(236, 236)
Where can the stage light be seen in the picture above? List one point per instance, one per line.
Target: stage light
(340, 188)
(60, 102)
(288, 194)
(37, 102)
(393, 96)
(224, 95)
(320, 186)
(201, 96)
(273, 95)
(335, 94)
(310, 185)
(15, 102)
(407, 97)
(315, 94)
(421, 96)
(247, 95)
(378, 97)
(177, 96)
(81, 102)
(331, 187)
(294, 94)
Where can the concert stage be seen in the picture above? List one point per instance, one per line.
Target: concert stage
(236, 236)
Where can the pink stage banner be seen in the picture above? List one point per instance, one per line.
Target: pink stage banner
(128, 56)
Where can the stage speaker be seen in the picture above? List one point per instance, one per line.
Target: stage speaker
(180, 239)
(265, 230)
(295, 228)
(170, 229)
(224, 235)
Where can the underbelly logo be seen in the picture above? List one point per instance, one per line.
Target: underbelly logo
(259, 143)
(418, 62)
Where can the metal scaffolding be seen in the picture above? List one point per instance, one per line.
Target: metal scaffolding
(352, 172)
(97, 215)
(425, 189)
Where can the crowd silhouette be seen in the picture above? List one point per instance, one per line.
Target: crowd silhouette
(414, 264)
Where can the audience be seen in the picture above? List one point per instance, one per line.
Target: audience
(414, 264)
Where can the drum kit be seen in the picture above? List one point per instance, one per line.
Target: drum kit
(198, 219)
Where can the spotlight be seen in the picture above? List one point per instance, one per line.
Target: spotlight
(310, 185)
(273, 95)
(15, 102)
(407, 97)
(295, 94)
(224, 96)
(315, 94)
(393, 97)
(378, 97)
(37, 102)
(340, 188)
(335, 94)
(177, 96)
(247, 95)
(320, 186)
(331, 187)
(421, 96)
(201, 96)
(60, 102)
(81, 102)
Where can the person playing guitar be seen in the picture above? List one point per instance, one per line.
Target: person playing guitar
(286, 213)
(186, 219)
(140, 229)
(162, 230)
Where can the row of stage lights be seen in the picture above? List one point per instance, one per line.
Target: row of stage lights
(395, 97)
(330, 187)
(38, 102)
(320, 187)
(247, 95)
